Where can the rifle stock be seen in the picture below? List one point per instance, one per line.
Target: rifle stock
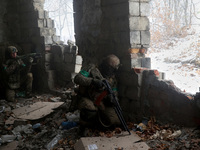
(117, 107)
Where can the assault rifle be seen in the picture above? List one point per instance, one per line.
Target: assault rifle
(33, 55)
(117, 107)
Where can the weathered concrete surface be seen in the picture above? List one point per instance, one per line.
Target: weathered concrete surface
(124, 141)
(161, 98)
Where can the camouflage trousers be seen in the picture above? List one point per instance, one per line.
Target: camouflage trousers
(25, 84)
(92, 114)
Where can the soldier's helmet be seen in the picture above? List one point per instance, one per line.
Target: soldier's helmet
(12, 49)
(112, 61)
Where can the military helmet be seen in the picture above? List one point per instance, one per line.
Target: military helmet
(112, 61)
(12, 49)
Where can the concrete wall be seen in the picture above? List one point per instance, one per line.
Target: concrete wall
(120, 27)
(102, 27)
(25, 24)
(161, 98)
(2, 22)
(106, 26)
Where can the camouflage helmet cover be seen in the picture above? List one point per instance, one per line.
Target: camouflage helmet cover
(12, 49)
(112, 61)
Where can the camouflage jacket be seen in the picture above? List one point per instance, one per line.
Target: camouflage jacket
(84, 80)
(14, 70)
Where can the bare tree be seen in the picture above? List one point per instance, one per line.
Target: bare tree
(61, 12)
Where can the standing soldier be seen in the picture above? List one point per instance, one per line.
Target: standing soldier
(90, 84)
(17, 74)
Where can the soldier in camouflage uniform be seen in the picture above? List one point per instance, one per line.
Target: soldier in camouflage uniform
(17, 74)
(90, 84)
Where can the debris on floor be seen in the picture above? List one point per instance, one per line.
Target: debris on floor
(50, 122)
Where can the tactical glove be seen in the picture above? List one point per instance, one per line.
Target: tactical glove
(97, 83)
(30, 60)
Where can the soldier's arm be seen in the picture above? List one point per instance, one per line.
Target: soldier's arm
(11, 67)
(82, 80)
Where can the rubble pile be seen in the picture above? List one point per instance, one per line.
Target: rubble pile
(161, 136)
(40, 122)
(49, 122)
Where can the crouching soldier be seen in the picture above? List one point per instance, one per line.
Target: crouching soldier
(96, 108)
(17, 74)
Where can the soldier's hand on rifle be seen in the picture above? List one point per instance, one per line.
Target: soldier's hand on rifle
(97, 83)
(30, 60)
(19, 62)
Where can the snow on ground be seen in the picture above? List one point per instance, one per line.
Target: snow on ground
(176, 62)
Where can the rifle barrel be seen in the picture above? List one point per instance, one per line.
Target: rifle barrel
(117, 107)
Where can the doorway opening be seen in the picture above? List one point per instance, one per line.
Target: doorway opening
(61, 11)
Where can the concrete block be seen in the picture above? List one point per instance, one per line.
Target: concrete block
(40, 14)
(146, 62)
(57, 49)
(51, 78)
(134, 37)
(67, 49)
(69, 58)
(139, 23)
(144, 9)
(134, 8)
(48, 57)
(71, 49)
(48, 66)
(79, 60)
(145, 37)
(51, 74)
(44, 23)
(47, 31)
(38, 6)
(58, 58)
(39, 1)
(55, 38)
(77, 68)
(46, 14)
(40, 23)
(136, 62)
(122, 141)
(47, 48)
(73, 68)
(48, 40)
(49, 23)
